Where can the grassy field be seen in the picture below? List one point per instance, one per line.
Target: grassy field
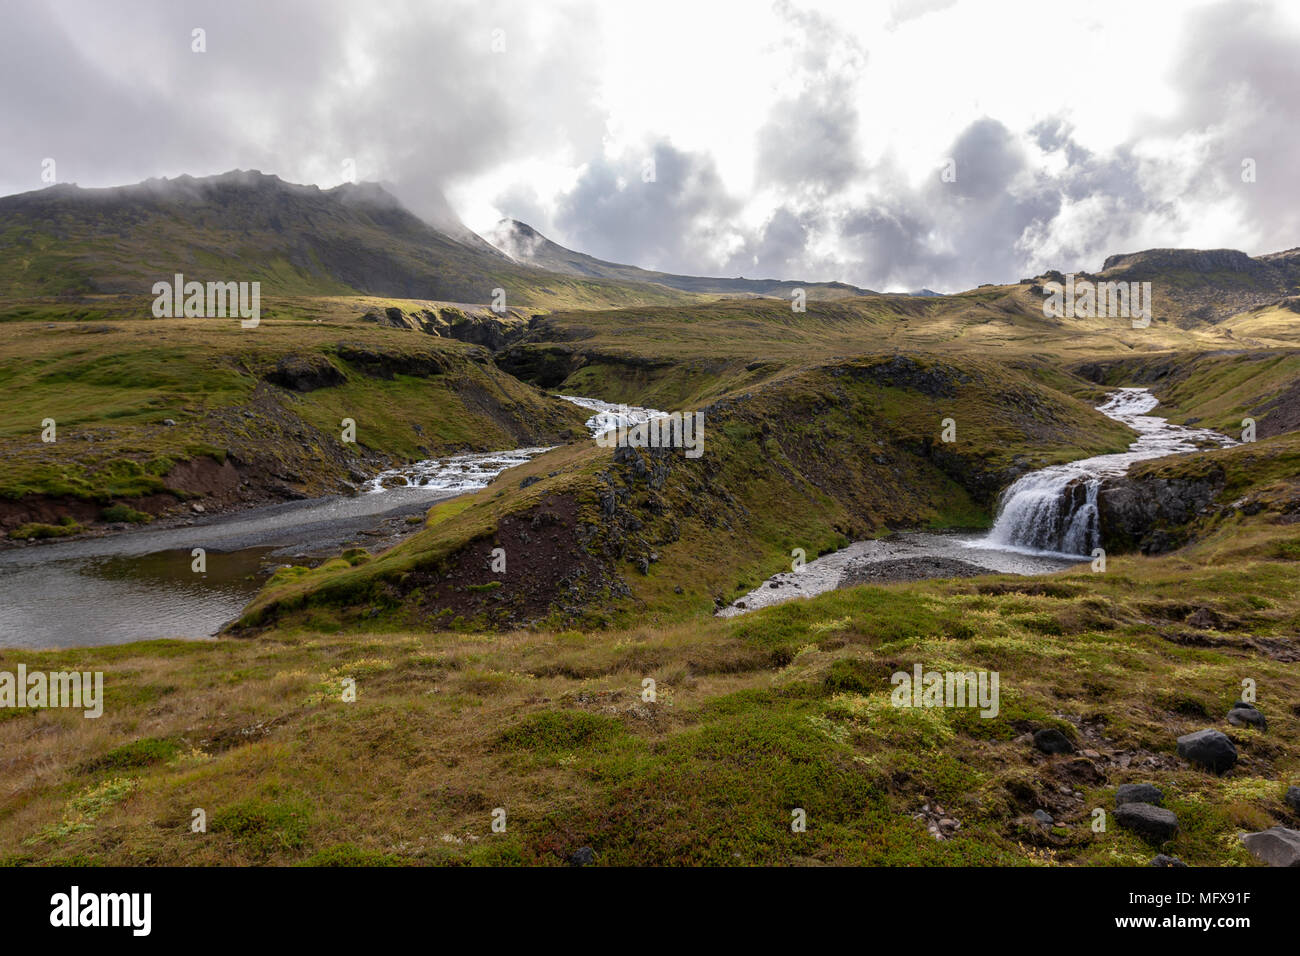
(752, 718)
(677, 356)
(821, 427)
(132, 399)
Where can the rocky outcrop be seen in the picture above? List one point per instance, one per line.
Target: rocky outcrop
(1149, 514)
(477, 325)
(305, 373)
(385, 363)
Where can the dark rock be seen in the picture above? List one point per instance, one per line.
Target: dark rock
(1210, 749)
(386, 363)
(1051, 741)
(1293, 798)
(1161, 860)
(305, 373)
(1043, 817)
(1247, 716)
(529, 481)
(1141, 513)
(1276, 846)
(583, 856)
(1139, 793)
(1152, 823)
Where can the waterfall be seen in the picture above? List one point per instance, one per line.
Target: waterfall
(1049, 510)
(1055, 509)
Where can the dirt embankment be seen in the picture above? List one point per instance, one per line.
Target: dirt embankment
(203, 479)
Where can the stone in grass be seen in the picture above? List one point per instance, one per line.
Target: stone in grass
(1139, 793)
(1051, 741)
(1210, 749)
(1244, 715)
(1293, 798)
(1043, 817)
(1153, 823)
(583, 856)
(1276, 846)
(1161, 860)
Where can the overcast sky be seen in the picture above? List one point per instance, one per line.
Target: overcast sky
(792, 140)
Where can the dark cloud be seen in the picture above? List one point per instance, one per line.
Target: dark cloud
(1239, 75)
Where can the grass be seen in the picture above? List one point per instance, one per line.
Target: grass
(821, 427)
(752, 718)
(112, 389)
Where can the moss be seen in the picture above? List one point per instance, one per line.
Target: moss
(262, 828)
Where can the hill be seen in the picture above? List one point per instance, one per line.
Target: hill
(247, 226)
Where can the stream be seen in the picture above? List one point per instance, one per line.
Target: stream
(137, 585)
(1047, 520)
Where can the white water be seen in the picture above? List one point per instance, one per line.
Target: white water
(612, 416)
(1055, 510)
(461, 474)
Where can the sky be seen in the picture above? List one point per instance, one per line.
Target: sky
(891, 144)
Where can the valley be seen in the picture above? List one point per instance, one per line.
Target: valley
(497, 587)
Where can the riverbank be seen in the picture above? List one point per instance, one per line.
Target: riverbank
(143, 421)
(145, 583)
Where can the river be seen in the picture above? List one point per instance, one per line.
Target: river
(138, 585)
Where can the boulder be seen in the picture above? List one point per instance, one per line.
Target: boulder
(1293, 798)
(1161, 860)
(583, 856)
(1276, 846)
(1208, 748)
(1138, 793)
(1051, 741)
(1244, 715)
(1152, 823)
(1043, 817)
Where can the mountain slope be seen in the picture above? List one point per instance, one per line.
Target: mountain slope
(525, 244)
(246, 226)
(1195, 287)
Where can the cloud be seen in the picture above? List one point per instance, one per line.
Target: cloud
(663, 209)
(817, 166)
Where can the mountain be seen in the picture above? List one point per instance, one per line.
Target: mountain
(1194, 286)
(247, 226)
(524, 244)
